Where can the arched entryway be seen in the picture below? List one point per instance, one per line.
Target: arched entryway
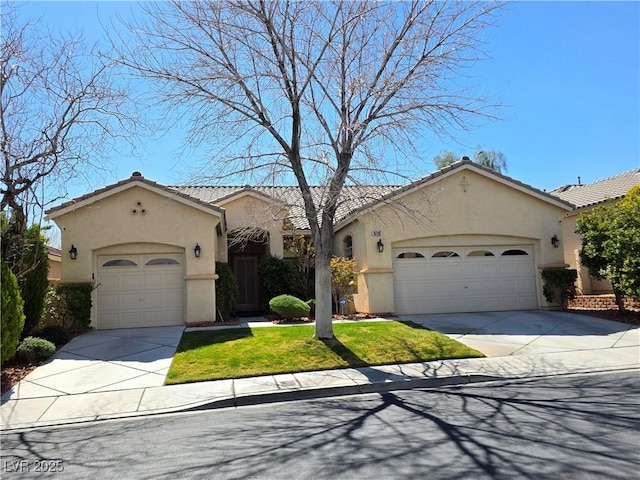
(244, 256)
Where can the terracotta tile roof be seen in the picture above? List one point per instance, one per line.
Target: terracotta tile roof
(610, 188)
(136, 177)
(352, 198)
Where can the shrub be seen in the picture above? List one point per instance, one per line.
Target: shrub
(226, 290)
(275, 276)
(288, 306)
(34, 283)
(34, 349)
(344, 279)
(559, 285)
(56, 334)
(12, 313)
(55, 310)
(77, 300)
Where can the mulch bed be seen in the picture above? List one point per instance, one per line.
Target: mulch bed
(629, 317)
(14, 371)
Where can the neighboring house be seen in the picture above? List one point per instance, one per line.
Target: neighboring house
(55, 263)
(462, 239)
(586, 198)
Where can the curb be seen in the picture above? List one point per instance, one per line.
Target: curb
(328, 392)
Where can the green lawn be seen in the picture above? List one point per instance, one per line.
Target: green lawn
(244, 352)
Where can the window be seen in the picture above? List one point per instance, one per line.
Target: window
(411, 255)
(514, 252)
(162, 261)
(444, 254)
(120, 263)
(481, 253)
(348, 246)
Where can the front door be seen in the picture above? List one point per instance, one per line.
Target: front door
(246, 270)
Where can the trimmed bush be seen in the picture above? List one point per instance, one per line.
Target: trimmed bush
(34, 349)
(56, 334)
(34, 283)
(77, 300)
(275, 276)
(12, 313)
(288, 306)
(559, 285)
(226, 291)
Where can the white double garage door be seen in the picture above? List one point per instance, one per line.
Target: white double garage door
(464, 279)
(144, 290)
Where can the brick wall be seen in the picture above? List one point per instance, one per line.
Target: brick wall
(601, 302)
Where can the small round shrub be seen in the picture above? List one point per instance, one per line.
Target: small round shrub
(288, 306)
(34, 349)
(56, 334)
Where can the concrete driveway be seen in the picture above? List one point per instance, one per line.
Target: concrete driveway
(103, 361)
(530, 332)
(138, 358)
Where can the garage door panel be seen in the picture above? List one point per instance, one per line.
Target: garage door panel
(134, 294)
(463, 284)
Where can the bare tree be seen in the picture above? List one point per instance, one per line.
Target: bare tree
(59, 109)
(319, 91)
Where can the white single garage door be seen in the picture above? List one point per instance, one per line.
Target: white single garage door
(464, 279)
(140, 290)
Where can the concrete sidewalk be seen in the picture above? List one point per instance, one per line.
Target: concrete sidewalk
(551, 344)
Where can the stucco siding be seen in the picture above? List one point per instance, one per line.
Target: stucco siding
(465, 208)
(138, 220)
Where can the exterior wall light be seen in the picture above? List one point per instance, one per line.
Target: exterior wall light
(380, 246)
(555, 242)
(197, 250)
(73, 252)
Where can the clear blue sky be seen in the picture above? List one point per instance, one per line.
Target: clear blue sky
(569, 73)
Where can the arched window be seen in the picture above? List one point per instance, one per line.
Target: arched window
(514, 252)
(444, 254)
(348, 246)
(410, 255)
(120, 263)
(162, 261)
(481, 253)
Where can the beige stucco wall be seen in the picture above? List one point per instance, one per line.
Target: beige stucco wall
(249, 210)
(55, 267)
(443, 213)
(167, 225)
(586, 284)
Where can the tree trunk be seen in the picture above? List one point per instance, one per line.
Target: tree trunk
(324, 323)
(619, 299)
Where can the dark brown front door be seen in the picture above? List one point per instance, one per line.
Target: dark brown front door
(246, 270)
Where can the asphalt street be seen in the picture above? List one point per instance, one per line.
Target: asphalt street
(580, 426)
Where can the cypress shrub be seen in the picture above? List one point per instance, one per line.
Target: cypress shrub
(33, 283)
(226, 291)
(12, 313)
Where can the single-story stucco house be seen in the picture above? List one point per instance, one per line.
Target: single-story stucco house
(462, 239)
(586, 197)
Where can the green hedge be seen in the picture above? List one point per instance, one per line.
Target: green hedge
(275, 276)
(226, 291)
(559, 285)
(77, 304)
